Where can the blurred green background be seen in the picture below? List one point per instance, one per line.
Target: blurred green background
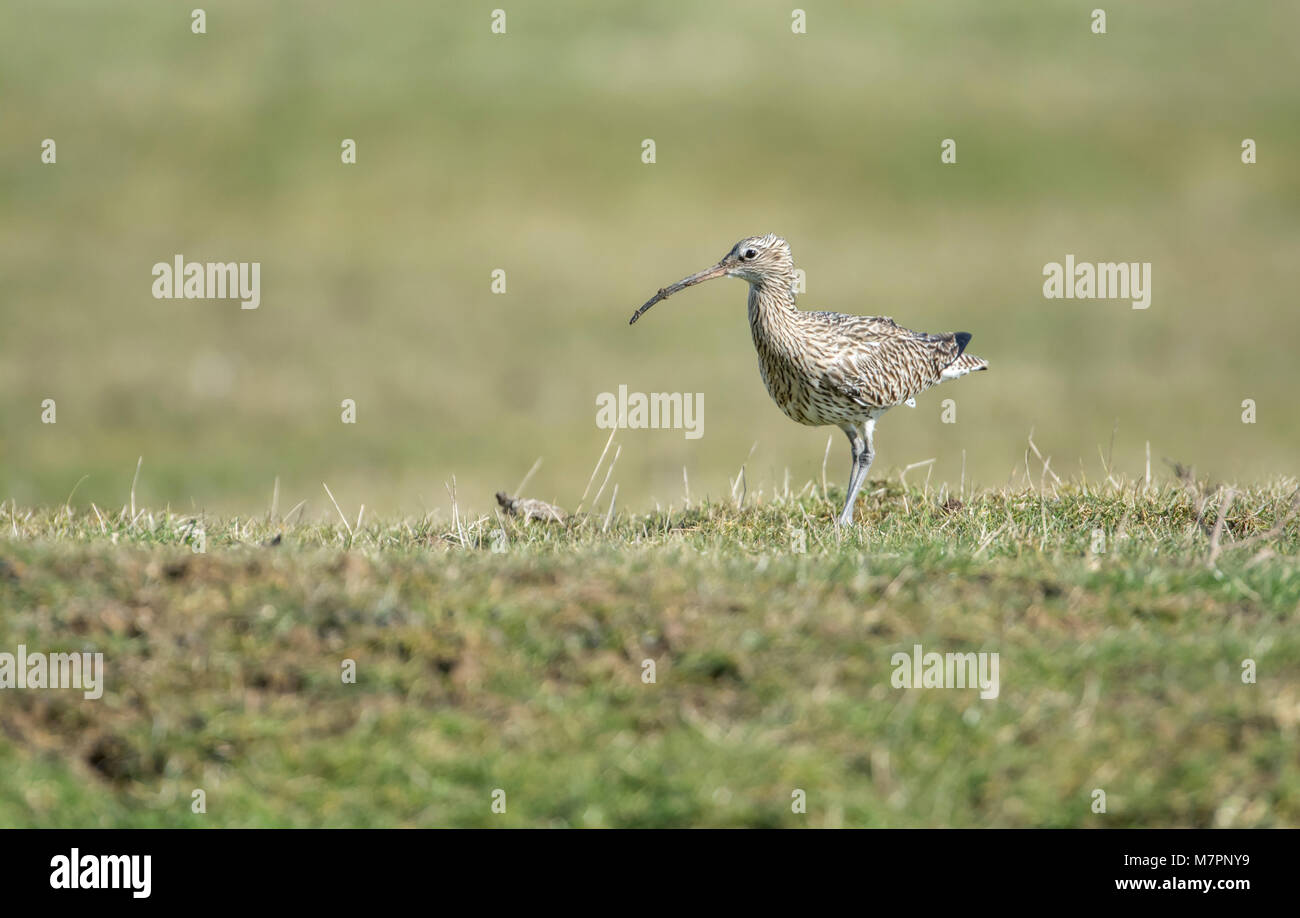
(523, 152)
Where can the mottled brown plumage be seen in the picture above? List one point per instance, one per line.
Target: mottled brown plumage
(530, 508)
(825, 367)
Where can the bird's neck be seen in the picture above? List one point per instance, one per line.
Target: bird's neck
(770, 305)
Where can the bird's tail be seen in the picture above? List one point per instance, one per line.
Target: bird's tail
(965, 363)
(969, 363)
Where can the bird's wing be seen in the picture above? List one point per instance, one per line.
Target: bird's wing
(839, 320)
(880, 364)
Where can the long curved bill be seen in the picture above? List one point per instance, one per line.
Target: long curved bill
(665, 292)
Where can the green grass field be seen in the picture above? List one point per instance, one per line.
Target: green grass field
(497, 655)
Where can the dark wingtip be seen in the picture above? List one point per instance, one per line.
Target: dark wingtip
(963, 339)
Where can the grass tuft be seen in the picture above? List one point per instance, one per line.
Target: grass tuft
(494, 652)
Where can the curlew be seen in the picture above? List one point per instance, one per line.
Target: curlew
(826, 368)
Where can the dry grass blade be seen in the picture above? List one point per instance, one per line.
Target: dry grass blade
(1277, 530)
(610, 515)
(529, 477)
(618, 451)
(599, 462)
(136, 477)
(68, 502)
(296, 509)
(1047, 462)
(902, 480)
(826, 456)
(346, 524)
(1225, 504)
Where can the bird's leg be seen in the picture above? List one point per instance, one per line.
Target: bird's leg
(860, 441)
(856, 445)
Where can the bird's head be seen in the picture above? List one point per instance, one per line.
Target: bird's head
(756, 259)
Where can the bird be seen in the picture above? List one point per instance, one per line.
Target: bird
(828, 368)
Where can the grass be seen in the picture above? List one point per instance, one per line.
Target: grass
(496, 654)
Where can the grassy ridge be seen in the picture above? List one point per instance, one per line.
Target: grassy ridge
(521, 668)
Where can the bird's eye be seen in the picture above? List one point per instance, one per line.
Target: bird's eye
(750, 253)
